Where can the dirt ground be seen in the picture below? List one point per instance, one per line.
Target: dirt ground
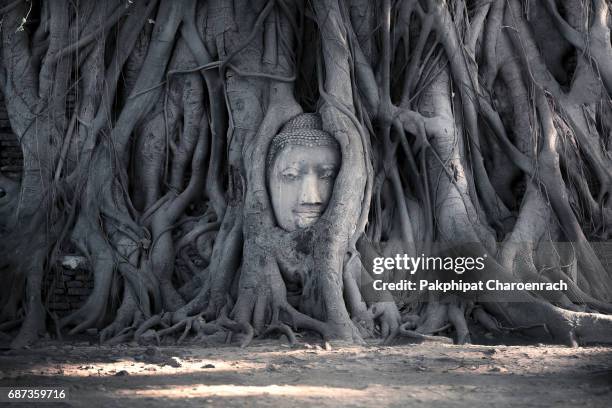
(270, 374)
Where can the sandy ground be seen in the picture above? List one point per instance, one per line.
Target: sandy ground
(270, 374)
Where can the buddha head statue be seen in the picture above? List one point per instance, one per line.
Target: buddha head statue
(302, 163)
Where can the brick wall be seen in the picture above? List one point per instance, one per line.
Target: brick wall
(10, 152)
(68, 289)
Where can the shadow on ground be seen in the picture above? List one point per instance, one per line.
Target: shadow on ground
(270, 374)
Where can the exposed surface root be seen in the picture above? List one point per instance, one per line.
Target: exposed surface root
(283, 329)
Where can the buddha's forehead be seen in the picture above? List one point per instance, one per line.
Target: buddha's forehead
(305, 156)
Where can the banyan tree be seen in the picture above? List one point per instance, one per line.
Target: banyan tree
(234, 166)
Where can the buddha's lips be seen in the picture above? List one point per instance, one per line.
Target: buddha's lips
(308, 213)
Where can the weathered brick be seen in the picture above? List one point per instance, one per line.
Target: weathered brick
(79, 291)
(74, 284)
(72, 298)
(11, 153)
(59, 291)
(76, 305)
(11, 169)
(59, 306)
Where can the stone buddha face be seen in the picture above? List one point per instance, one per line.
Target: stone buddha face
(302, 165)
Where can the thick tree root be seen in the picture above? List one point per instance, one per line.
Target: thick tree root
(284, 330)
(32, 328)
(128, 318)
(236, 327)
(557, 325)
(10, 325)
(405, 331)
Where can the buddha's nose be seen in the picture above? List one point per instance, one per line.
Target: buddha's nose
(310, 193)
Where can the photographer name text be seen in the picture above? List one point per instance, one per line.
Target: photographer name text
(461, 286)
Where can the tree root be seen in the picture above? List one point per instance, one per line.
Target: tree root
(128, 318)
(404, 330)
(11, 324)
(437, 317)
(456, 316)
(283, 329)
(243, 328)
(486, 320)
(146, 325)
(559, 325)
(32, 328)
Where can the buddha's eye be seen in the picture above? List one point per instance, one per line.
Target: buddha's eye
(290, 176)
(2, 192)
(327, 174)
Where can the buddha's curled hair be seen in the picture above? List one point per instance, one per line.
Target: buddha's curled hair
(305, 129)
